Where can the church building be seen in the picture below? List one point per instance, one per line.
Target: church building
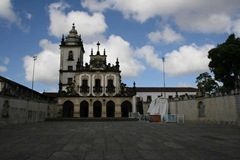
(92, 89)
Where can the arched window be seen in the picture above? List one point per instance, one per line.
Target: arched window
(70, 56)
(201, 109)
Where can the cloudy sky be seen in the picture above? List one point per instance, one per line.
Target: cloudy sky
(137, 32)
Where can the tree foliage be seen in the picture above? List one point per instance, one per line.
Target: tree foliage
(205, 83)
(225, 62)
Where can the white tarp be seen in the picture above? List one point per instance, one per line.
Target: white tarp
(158, 106)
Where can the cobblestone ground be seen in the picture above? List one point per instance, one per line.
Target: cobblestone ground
(119, 141)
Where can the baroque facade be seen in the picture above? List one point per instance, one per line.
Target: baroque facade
(92, 89)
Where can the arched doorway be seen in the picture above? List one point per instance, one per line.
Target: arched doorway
(126, 107)
(84, 109)
(110, 109)
(97, 109)
(68, 109)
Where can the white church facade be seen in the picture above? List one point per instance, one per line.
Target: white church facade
(95, 89)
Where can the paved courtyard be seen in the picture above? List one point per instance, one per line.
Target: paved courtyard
(119, 141)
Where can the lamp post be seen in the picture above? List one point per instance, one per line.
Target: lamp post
(163, 60)
(34, 59)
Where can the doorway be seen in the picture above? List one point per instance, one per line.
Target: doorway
(126, 107)
(97, 109)
(67, 109)
(84, 109)
(110, 109)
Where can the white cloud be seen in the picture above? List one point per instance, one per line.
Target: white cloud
(28, 15)
(216, 16)
(46, 64)
(89, 26)
(7, 11)
(96, 6)
(236, 28)
(8, 14)
(116, 47)
(204, 23)
(184, 84)
(167, 36)
(188, 59)
(5, 61)
(146, 53)
(3, 69)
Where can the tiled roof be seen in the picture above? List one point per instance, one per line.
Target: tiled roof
(51, 94)
(166, 89)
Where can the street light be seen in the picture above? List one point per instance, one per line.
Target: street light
(34, 59)
(163, 60)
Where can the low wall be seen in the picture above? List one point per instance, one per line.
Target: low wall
(222, 109)
(13, 111)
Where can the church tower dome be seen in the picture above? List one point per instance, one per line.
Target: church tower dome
(73, 38)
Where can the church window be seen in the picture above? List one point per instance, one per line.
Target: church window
(110, 87)
(84, 87)
(70, 68)
(97, 87)
(70, 56)
(149, 99)
(70, 80)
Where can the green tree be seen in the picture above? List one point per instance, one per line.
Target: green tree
(225, 63)
(206, 84)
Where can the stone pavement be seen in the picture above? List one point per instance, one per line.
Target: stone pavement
(119, 141)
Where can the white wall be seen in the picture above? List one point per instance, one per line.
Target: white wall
(155, 95)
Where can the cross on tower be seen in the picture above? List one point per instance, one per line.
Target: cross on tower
(98, 44)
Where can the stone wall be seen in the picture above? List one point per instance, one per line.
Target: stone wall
(212, 109)
(13, 111)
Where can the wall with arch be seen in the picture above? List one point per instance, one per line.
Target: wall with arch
(96, 107)
(216, 109)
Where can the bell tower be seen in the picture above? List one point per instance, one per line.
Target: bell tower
(71, 58)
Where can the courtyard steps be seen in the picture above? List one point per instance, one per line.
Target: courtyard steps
(93, 119)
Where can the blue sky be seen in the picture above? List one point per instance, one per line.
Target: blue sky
(137, 32)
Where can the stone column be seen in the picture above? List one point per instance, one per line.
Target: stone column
(76, 109)
(118, 111)
(90, 110)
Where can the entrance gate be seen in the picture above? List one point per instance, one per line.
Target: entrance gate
(67, 109)
(97, 109)
(110, 109)
(84, 109)
(126, 107)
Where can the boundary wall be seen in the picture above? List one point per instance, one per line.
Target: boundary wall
(209, 109)
(14, 111)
